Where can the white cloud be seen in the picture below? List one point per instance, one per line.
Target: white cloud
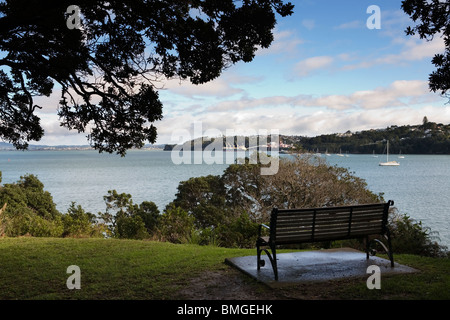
(398, 93)
(292, 122)
(285, 42)
(350, 25)
(309, 24)
(216, 88)
(54, 134)
(48, 104)
(411, 50)
(249, 103)
(307, 66)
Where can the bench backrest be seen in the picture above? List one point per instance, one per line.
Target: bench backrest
(290, 226)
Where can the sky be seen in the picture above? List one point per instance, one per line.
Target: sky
(327, 71)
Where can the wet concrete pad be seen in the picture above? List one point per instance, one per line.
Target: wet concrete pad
(320, 265)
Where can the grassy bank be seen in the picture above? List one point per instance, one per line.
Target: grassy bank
(36, 268)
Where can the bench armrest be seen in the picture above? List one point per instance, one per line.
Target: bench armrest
(262, 225)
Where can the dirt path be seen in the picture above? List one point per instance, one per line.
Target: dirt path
(231, 284)
(226, 284)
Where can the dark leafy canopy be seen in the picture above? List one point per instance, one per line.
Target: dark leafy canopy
(432, 18)
(109, 68)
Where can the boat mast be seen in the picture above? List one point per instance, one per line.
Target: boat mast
(387, 152)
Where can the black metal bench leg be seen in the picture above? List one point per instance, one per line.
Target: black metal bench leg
(390, 254)
(258, 257)
(367, 247)
(274, 263)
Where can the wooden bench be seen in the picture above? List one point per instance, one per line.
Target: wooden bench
(296, 226)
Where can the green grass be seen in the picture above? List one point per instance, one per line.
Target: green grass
(35, 268)
(431, 282)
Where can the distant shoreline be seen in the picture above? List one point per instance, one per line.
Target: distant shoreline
(70, 148)
(150, 149)
(427, 139)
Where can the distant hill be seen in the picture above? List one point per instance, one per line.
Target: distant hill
(428, 138)
(9, 147)
(31, 147)
(4, 145)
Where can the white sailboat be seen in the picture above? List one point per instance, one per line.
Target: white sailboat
(388, 163)
(318, 153)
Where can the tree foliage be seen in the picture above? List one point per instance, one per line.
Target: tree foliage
(412, 237)
(110, 68)
(431, 18)
(29, 210)
(79, 223)
(128, 220)
(176, 225)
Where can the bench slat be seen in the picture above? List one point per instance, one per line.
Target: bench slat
(314, 224)
(299, 238)
(288, 228)
(319, 211)
(306, 220)
(324, 224)
(373, 205)
(305, 215)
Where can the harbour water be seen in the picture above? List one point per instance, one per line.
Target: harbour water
(420, 186)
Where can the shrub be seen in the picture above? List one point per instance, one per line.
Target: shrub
(124, 219)
(240, 232)
(176, 225)
(410, 236)
(26, 222)
(78, 223)
(131, 228)
(30, 210)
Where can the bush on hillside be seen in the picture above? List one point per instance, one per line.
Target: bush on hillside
(126, 220)
(79, 223)
(29, 210)
(410, 236)
(176, 225)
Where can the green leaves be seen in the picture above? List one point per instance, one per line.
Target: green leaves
(432, 19)
(128, 220)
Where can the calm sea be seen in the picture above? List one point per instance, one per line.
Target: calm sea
(420, 186)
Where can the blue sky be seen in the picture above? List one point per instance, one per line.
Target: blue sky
(326, 72)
